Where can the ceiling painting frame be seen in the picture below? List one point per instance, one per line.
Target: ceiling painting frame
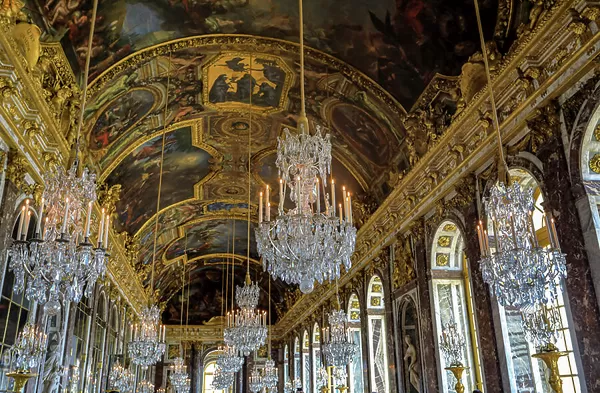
(238, 107)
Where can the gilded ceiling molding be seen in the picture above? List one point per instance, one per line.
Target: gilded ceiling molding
(258, 44)
(549, 40)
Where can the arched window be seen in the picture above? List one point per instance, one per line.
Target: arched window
(306, 362)
(377, 336)
(286, 363)
(209, 372)
(297, 361)
(526, 373)
(355, 374)
(14, 307)
(449, 283)
(316, 352)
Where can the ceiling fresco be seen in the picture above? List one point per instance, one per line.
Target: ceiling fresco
(208, 296)
(400, 44)
(200, 93)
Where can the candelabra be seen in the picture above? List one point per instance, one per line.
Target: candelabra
(341, 377)
(297, 383)
(338, 345)
(541, 326)
(519, 272)
(228, 360)
(147, 344)
(179, 375)
(256, 382)
(60, 262)
(145, 387)
(115, 377)
(246, 327)
(322, 379)
(27, 353)
(269, 376)
(221, 379)
(452, 344)
(288, 387)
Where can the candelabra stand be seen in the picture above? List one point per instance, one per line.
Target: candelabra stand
(550, 355)
(324, 389)
(457, 371)
(21, 378)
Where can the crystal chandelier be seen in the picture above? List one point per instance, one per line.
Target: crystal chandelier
(270, 377)
(60, 262)
(221, 379)
(120, 378)
(452, 344)
(256, 383)
(228, 360)
(29, 349)
(179, 375)
(306, 243)
(246, 327)
(519, 272)
(145, 387)
(338, 345)
(147, 344)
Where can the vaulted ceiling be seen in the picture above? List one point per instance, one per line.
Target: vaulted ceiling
(179, 66)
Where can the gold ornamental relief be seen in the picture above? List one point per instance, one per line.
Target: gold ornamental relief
(444, 241)
(597, 133)
(595, 163)
(442, 259)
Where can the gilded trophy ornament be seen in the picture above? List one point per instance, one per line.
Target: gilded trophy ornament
(594, 163)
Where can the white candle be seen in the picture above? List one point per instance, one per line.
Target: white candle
(333, 196)
(38, 229)
(27, 219)
(318, 195)
(260, 207)
(298, 195)
(346, 207)
(101, 231)
(267, 200)
(106, 228)
(45, 223)
(268, 212)
(350, 208)
(64, 226)
(341, 214)
(21, 222)
(88, 220)
(281, 200)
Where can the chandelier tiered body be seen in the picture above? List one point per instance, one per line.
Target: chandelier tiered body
(60, 262)
(246, 327)
(452, 344)
(179, 376)
(338, 347)
(229, 359)
(148, 342)
(222, 379)
(121, 379)
(306, 243)
(519, 272)
(256, 382)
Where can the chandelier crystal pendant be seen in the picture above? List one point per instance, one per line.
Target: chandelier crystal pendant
(519, 271)
(60, 262)
(29, 349)
(289, 386)
(270, 376)
(308, 242)
(221, 379)
(179, 375)
(452, 344)
(338, 345)
(148, 339)
(246, 327)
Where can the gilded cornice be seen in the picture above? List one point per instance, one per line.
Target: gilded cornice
(563, 58)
